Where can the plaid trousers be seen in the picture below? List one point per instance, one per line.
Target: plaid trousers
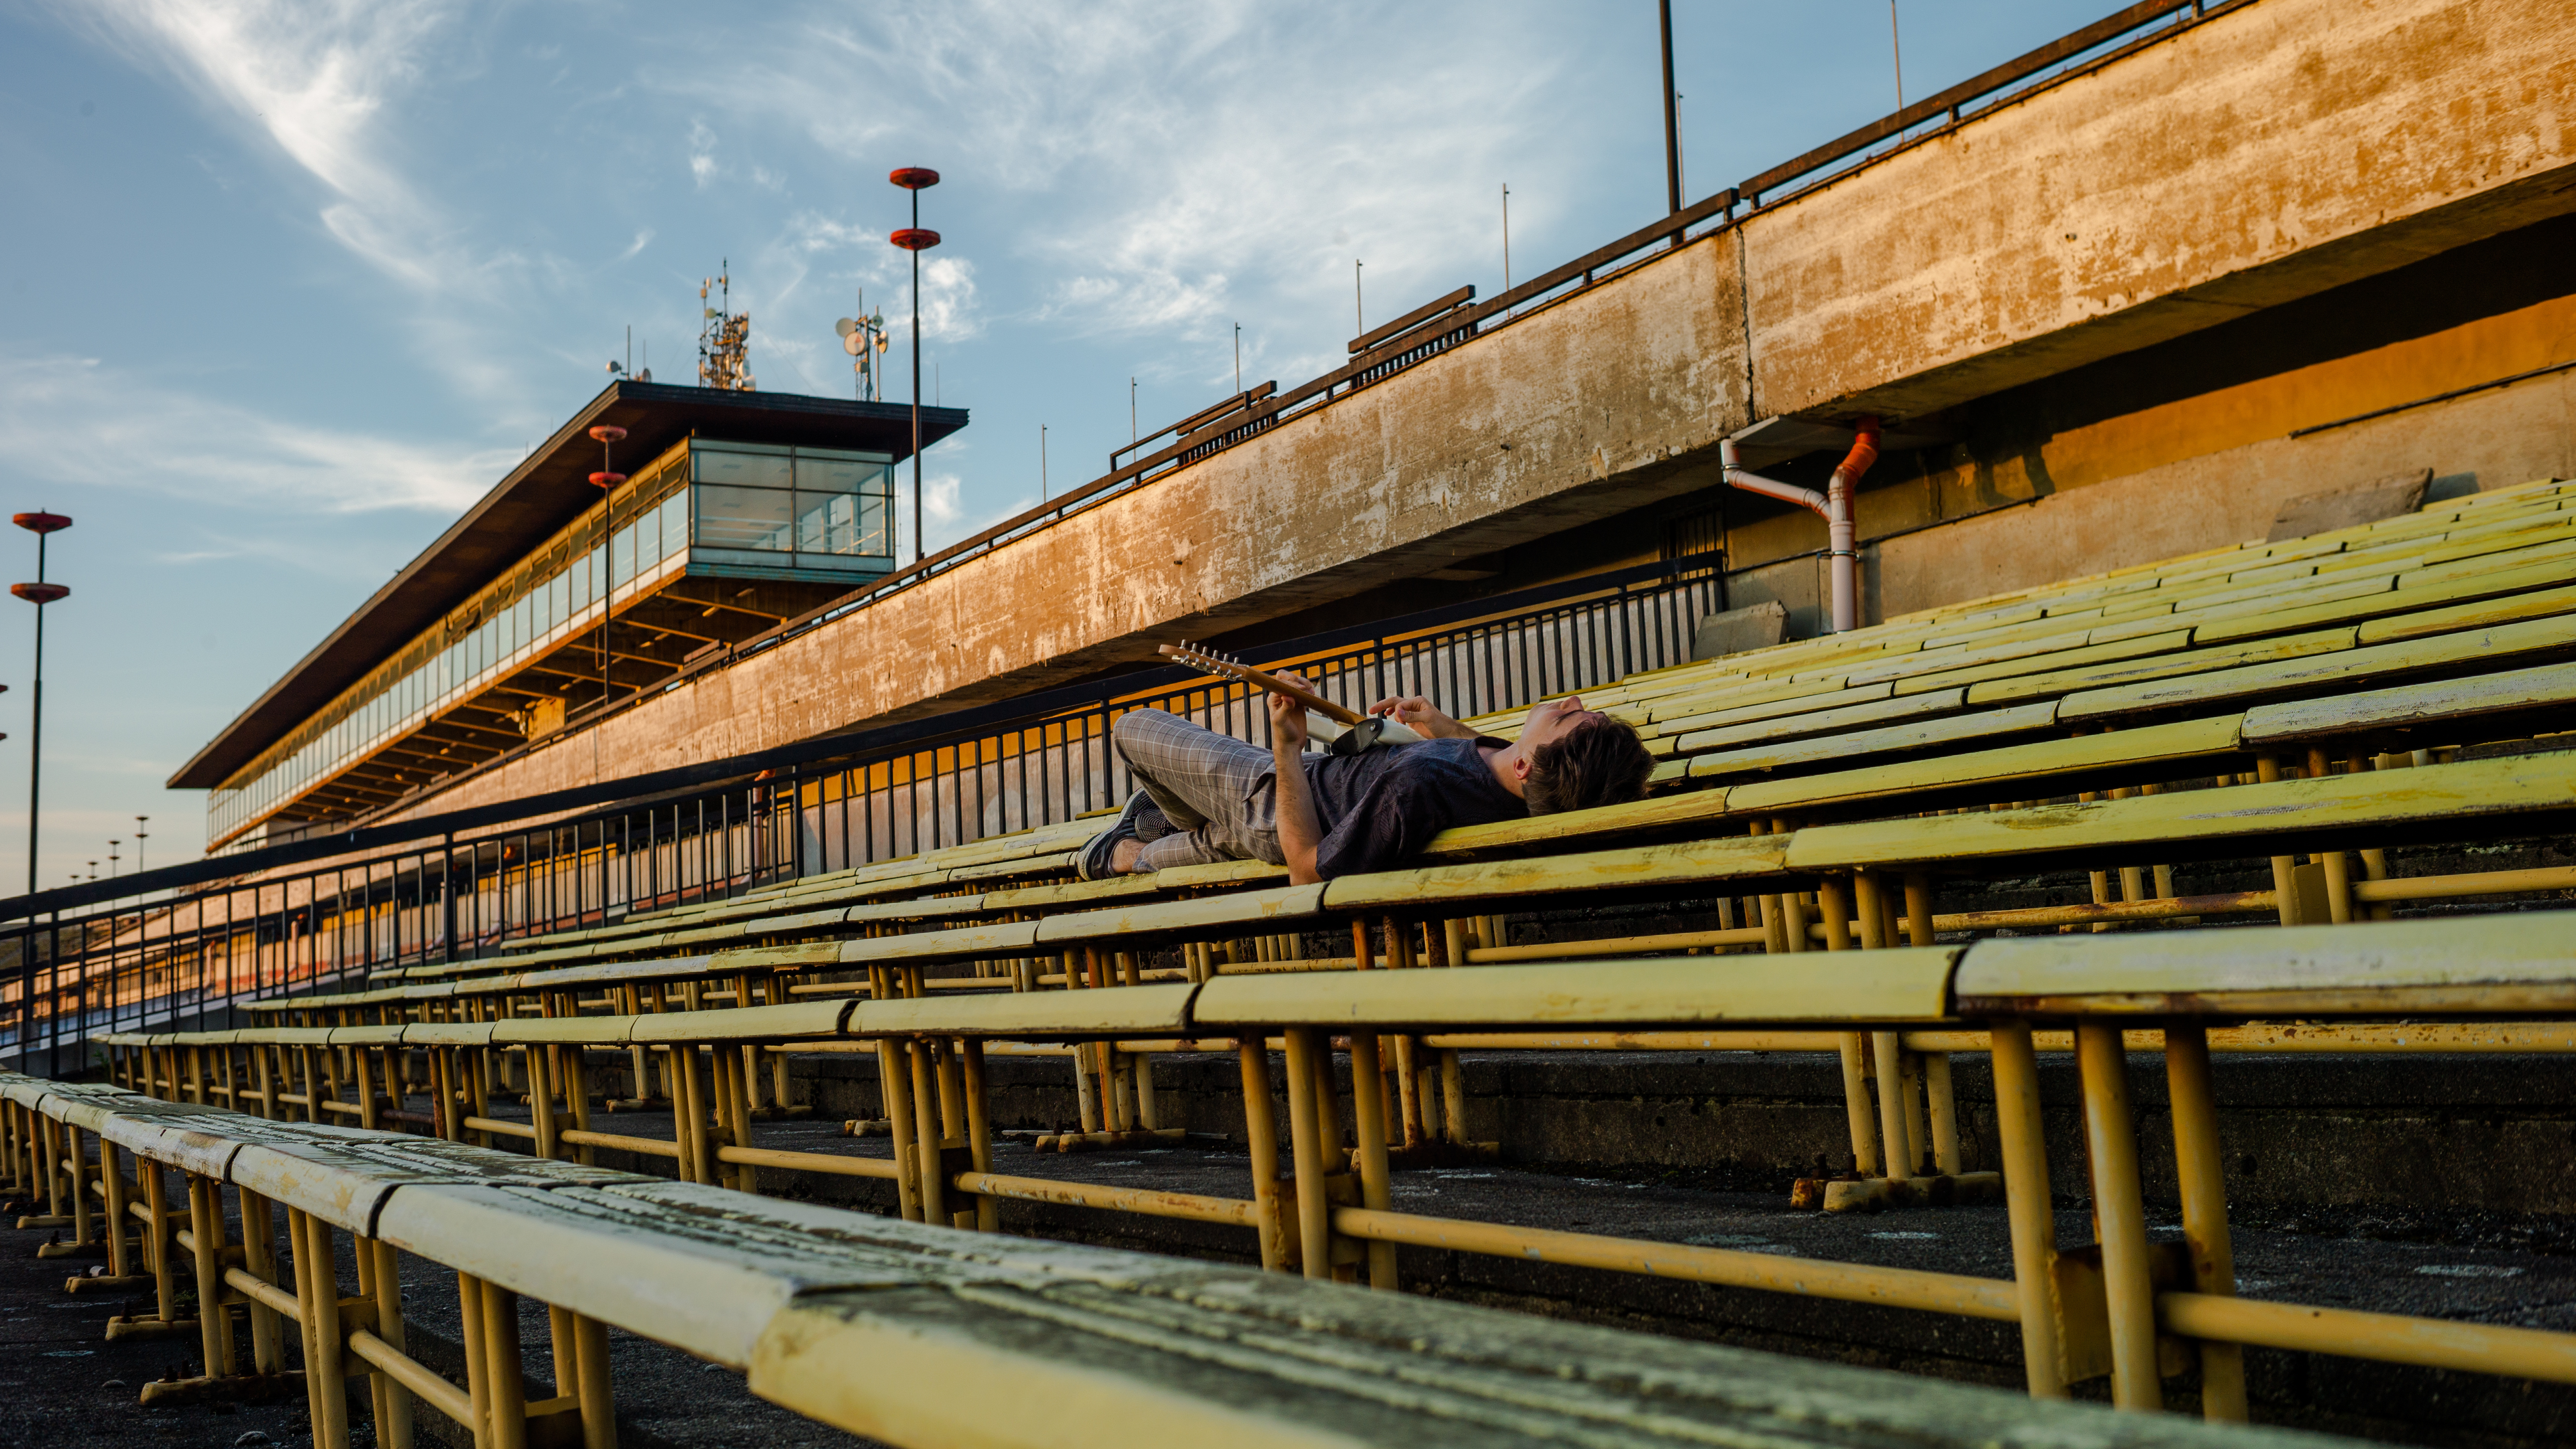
(1217, 792)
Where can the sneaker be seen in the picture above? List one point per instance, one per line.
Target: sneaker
(1093, 861)
(1147, 818)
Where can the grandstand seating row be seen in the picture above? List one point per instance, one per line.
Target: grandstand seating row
(913, 1335)
(1331, 1212)
(2293, 708)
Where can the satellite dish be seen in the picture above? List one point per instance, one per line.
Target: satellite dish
(710, 311)
(853, 343)
(845, 327)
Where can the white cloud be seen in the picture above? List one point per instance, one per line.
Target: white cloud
(1177, 148)
(320, 79)
(76, 421)
(702, 157)
(315, 77)
(939, 496)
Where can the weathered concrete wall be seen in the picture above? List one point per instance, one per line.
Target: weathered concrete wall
(2270, 154)
(2167, 479)
(2284, 149)
(2490, 440)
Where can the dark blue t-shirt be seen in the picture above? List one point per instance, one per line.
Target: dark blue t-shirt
(1380, 807)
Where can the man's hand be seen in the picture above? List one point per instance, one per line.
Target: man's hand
(1288, 718)
(1415, 712)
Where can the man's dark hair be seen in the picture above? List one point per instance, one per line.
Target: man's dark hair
(1598, 762)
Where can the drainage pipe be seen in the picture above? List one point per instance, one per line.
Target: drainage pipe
(1834, 505)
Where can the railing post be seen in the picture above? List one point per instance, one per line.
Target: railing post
(447, 891)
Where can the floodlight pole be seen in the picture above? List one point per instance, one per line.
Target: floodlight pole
(913, 239)
(40, 593)
(1672, 121)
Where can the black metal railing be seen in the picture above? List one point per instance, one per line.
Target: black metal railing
(189, 944)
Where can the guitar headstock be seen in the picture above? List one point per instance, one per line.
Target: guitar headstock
(1207, 659)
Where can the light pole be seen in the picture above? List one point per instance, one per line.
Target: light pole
(1672, 121)
(916, 241)
(40, 593)
(140, 836)
(605, 480)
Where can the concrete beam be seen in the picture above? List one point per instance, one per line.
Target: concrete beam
(2271, 153)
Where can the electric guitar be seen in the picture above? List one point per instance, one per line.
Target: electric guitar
(1343, 731)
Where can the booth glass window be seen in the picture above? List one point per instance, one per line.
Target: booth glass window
(794, 508)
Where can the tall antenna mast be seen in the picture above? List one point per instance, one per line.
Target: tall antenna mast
(724, 338)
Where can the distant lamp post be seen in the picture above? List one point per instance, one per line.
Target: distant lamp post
(112, 857)
(916, 241)
(39, 593)
(609, 435)
(139, 837)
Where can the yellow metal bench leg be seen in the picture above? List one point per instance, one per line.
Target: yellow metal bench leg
(111, 1173)
(506, 1399)
(478, 1372)
(76, 1160)
(1885, 1052)
(2199, 1163)
(979, 1127)
(259, 1259)
(1368, 1120)
(2027, 1204)
(393, 1401)
(206, 1231)
(597, 1396)
(1944, 1106)
(1864, 1129)
(1261, 1133)
(927, 1132)
(2102, 1063)
(1306, 1151)
(317, 1297)
(894, 1091)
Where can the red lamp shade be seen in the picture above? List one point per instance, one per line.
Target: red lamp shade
(915, 238)
(41, 593)
(606, 480)
(41, 522)
(913, 178)
(609, 433)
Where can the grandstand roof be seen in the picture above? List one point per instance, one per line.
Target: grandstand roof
(544, 492)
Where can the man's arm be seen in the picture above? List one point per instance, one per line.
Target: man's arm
(1416, 713)
(1299, 831)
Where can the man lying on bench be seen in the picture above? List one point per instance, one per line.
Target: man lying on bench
(1210, 797)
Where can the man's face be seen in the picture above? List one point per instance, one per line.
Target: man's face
(1554, 719)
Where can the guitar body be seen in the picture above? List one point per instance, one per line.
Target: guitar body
(1371, 732)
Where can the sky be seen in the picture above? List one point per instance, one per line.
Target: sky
(290, 283)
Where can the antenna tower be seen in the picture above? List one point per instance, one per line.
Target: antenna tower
(864, 337)
(724, 342)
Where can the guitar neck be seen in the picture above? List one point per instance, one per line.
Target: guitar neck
(1265, 680)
